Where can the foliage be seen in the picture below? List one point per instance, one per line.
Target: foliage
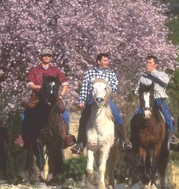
(174, 28)
(77, 31)
(15, 156)
(173, 92)
(74, 168)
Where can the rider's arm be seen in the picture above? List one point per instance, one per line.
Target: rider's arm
(113, 82)
(84, 89)
(63, 90)
(64, 83)
(32, 86)
(162, 77)
(31, 80)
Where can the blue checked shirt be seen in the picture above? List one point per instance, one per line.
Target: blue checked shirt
(94, 73)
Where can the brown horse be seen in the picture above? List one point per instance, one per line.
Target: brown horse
(149, 136)
(44, 125)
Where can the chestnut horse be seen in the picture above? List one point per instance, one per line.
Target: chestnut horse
(149, 136)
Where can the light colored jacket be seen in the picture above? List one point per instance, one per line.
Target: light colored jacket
(160, 79)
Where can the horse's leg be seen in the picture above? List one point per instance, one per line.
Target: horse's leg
(162, 165)
(104, 153)
(38, 151)
(55, 161)
(142, 170)
(89, 168)
(28, 168)
(156, 154)
(51, 163)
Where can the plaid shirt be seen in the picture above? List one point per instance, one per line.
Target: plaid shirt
(36, 73)
(94, 73)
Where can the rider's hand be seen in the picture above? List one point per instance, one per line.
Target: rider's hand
(81, 105)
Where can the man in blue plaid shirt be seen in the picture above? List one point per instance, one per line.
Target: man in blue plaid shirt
(85, 101)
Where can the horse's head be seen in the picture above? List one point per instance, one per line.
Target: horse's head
(146, 96)
(100, 92)
(50, 89)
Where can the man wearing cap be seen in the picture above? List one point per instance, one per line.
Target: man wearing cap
(160, 80)
(35, 79)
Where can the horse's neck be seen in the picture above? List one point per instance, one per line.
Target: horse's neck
(101, 113)
(156, 112)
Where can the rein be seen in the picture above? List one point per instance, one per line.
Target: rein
(100, 111)
(46, 101)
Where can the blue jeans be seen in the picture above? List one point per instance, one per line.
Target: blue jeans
(116, 113)
(165, 111)
(65, 116)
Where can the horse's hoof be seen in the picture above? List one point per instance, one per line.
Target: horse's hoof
(42, 176)
(49, 177)
(101, 186)
(147, 187)
(153, 186)
(2, 181)
(54, 181)
(93, 179)
(24, 181)
(39, 184)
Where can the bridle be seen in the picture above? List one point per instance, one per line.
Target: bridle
(50, 89)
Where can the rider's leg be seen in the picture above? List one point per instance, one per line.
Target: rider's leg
(81, 139)
(126, 144)
(66, 118)
(168, 118)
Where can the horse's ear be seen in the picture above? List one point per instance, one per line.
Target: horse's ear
(106, 79)
(92, 80)
(152, 86)
(141, 87)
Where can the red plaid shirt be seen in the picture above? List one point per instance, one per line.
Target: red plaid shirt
(36, 74)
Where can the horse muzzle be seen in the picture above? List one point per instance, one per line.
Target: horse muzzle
(147, 114)
(99, 101)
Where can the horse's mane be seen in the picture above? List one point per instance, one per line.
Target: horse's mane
(107, 97)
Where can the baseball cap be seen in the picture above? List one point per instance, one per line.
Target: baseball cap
(46, 51)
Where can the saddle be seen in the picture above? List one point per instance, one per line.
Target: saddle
(68, 139)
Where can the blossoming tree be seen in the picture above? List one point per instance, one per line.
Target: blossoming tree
(77, 31)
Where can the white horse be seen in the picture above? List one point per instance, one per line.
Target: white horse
(101, 143)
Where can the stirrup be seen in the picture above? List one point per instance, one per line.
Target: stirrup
(126, 145)
(176, 140)
(77, 149)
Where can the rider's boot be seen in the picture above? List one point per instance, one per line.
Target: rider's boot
(78, 148)
(126, 144)
(81, 143)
